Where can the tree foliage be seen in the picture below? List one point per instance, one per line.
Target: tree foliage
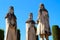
(1, 34)
(55, 32)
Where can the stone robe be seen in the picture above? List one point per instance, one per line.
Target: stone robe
(31, 33)
(11, 28)
(43, 25)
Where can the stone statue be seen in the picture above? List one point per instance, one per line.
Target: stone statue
(30, 28)
(11, 25)
(43, 28)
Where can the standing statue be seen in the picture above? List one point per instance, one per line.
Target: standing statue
(11, 25)
(30, 28)
(43, 28)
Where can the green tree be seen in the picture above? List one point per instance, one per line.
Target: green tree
(55, 32)
(1, 34)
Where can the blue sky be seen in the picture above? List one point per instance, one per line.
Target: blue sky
(22, 8)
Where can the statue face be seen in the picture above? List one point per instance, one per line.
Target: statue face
(41, 6)
(31, 16)
(11, 11)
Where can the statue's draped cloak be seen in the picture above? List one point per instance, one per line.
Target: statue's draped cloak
(31, 32)
(43, 22)
(11, 32)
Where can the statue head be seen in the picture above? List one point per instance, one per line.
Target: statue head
(31, 16)
(11, 9)
(41, 6)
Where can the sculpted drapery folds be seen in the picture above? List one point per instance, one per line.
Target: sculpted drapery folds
(11, 25)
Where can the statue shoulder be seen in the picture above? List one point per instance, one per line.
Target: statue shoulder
(7, 15)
